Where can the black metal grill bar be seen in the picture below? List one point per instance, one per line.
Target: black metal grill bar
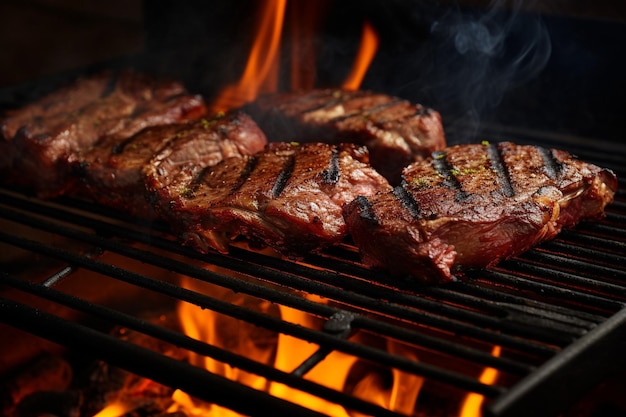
(601, 257)
(606, 287)
(180, 340)
(268, 322)
(508, 301)
(503, 274)
(278, 275)
(194, 381)
(535, 394)
(579, 241)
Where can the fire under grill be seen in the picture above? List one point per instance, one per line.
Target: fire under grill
(550, 325)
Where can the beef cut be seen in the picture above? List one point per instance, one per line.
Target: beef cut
(40, 141)
(396, 131)
(474, 205)
(161, 159)
(288, 197)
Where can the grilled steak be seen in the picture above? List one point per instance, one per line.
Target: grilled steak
(161, 156)
(40, 140)
(395, 131)
(170, 172)
(473, 205)
(288, 197)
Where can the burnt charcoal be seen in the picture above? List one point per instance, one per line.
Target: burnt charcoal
(474, 205)
(396, 131)
(46, 373)
(50, 403)
(40, 140)
(288, 197)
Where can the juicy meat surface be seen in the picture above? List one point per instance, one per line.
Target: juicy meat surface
(171, 171)
(473, 205)
(396, 131)
(40, 140)
(288, 197)
(161, 156)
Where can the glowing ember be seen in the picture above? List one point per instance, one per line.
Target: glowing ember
(369, 46)
(115, 410)
(473, 402)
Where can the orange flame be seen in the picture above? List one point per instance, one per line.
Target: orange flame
(305, 17)
(367, 51)
(261, 72)
(262, 67)
(473, 402)
(285, 353)
(115, 409)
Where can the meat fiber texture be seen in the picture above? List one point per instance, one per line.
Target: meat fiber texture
(474, 205)
(395, 131)
(288, 197)
(126, 174)
(40, 141)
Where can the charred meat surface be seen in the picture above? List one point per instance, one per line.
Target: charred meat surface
(40, 141)
(161, 159)
(170, 173)
(288, 197)
(474, 205)
(395, 131)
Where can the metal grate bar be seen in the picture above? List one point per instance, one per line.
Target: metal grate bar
(268, 322)
(162, 369)
(180, 340)
(245, 264)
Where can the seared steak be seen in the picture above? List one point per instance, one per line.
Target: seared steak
(395, 131)
(473, 205)
(288, 197)
(161, 156)
(170, 172)
(40, 140)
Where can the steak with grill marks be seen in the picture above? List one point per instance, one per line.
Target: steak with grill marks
(170, 172)
(288, 197)
(474, 205)
(395, 131)
(40, 140)
(161, 159)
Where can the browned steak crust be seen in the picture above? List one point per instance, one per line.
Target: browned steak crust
(288, 197)
(42, 138)
(473, 205)
(395, 131)
(161, 159)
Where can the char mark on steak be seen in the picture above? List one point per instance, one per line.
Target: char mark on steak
(40, 140)
(395, 131)
(172, 172)
(474, 205)
(161, 159)
(288, 197)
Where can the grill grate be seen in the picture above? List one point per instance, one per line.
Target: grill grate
(551, 310)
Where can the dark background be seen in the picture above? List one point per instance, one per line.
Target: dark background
(554, 66)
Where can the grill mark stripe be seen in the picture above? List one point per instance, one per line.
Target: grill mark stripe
(407, 201)
(365, 210)
(497, 163)
(284, 176)
(331, 175)
(250, 166)
(551, 166)
(244, 174)
(443, 168)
